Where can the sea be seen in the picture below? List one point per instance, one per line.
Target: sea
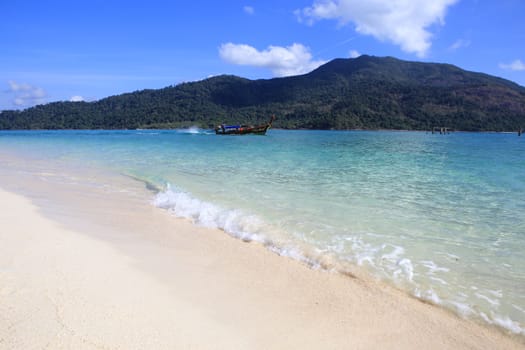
(440, 216)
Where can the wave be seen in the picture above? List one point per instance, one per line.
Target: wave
(237, 223)
(385, 261)
(194, 131)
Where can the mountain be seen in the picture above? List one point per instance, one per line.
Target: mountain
(362, 93)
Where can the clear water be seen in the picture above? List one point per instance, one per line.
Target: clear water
(441, 216)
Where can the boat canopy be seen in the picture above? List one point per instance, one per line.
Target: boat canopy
(231, 126)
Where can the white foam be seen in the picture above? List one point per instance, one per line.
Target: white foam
(518, 308)
(389, 259)
(450, 257)
(361, 260)
(497, 293)
(504, 322)
(509, 324)
(432, 296)
(432, 267)
(363, 252)
(295, 254)
(234, 222)
(394, 255)
(429, 295)
(406, 268)
(462, 308)
(442, 281)
(191, 130)
(492, 302)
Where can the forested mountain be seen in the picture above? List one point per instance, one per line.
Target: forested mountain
(362, 93)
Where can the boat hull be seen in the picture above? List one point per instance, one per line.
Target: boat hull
(243, 129)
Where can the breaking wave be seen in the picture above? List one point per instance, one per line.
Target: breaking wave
(386, 261)
(244, 226)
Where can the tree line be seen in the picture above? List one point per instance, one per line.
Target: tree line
(362, 93)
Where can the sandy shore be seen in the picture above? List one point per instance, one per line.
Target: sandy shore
(94, 268)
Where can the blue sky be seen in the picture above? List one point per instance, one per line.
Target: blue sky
(87, 50)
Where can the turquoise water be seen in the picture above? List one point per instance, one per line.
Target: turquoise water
(441, 216)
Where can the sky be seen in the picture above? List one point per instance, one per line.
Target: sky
(87, 50)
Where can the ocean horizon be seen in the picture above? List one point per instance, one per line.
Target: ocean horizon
(438, 216)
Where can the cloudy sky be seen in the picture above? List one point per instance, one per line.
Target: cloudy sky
(86, 50)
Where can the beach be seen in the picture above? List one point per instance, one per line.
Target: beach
(85, 266)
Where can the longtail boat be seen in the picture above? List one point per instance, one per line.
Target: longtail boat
(244, 129)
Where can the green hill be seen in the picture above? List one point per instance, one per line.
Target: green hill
(362, 93)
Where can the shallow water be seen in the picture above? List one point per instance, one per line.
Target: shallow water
(442, 216)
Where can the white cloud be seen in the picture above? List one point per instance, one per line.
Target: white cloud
(249, 10)
(26, 94)
(15, 87)
(514, 65)
(402, 22)
(459, 44)
(354, 54)
(282, 61)
(76, 98)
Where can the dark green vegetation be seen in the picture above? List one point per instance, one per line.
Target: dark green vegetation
(362, 93)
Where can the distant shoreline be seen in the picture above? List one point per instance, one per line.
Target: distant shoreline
(298, 129)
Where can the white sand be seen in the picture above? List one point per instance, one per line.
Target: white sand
(116, 273)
